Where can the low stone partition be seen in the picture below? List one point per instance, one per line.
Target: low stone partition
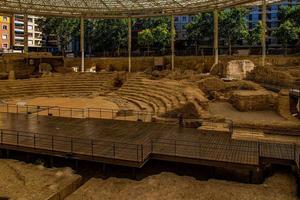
(246, 100)
(182, 62)
(270, 75)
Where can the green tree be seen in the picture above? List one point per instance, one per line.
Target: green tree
(200, 29)
(286, 33)
(162, 37)
(108, 34)
(159, 28)
(64, 29)
(233, 26)
(145, 39)
(254, 36)
(291, 13)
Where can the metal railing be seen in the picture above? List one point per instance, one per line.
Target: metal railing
(99, 113)
(71, 146)
(43, 110)
(233, 151)
(132, 115)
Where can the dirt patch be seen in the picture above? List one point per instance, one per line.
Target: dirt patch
(168, 186)
(226, 110)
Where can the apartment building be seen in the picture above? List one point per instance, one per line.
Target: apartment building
(5, 33)
(17, 35)
(273, 18)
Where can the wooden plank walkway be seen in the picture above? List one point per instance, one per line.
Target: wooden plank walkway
(128, 143)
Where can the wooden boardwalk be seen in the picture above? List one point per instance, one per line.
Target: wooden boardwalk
(130, 143)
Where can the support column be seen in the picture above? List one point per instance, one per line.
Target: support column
(216, 36)
(264, 31)
(25, 33)
(173, 42)
(82, 43)
(129, 44)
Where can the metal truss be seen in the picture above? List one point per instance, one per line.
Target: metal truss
(118, 8)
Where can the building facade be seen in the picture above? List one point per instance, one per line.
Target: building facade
(17, 36)
(273, 18)
(5, 33)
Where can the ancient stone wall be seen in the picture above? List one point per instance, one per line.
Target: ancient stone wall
(283, 107)
(183, 62)
(271, 76)
(253, 100)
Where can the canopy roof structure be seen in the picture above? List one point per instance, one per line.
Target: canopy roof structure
(117, 8)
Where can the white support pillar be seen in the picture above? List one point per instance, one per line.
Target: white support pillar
(25, 33)
(129, 44)
(264, 31)
(216, 36)
(82, 43)
(173, 42)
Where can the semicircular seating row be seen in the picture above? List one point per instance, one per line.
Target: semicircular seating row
(157, 96)
(74, 84)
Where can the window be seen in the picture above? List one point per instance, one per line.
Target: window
(30, 27)
(5, 19)
(4, 46)
(4, 37)
(4, 27)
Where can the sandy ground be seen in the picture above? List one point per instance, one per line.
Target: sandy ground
(96, 102)
(226, 110)
(168, 186)
(23, 181)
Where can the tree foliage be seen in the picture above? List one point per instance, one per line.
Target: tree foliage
(64, 29)
(146, 39)
(101, 35)
(108, 35)
(233, 26)
(200, 28)
(154, 32)
(254, 36)
(287, 33)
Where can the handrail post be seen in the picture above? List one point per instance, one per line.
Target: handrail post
(52, 142)
(71, 112)
(142, 152)
(92, 144)
(71, 145)
(114, 150)
(137, 152)
(59, 111)
(18, 138)
(175, 147)
(295, 152)
(34, 140)
(100, 113)
(1, 136)
(259, 149)
(112, 113)
(151, 142)
(7, 108)
(17, 109)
